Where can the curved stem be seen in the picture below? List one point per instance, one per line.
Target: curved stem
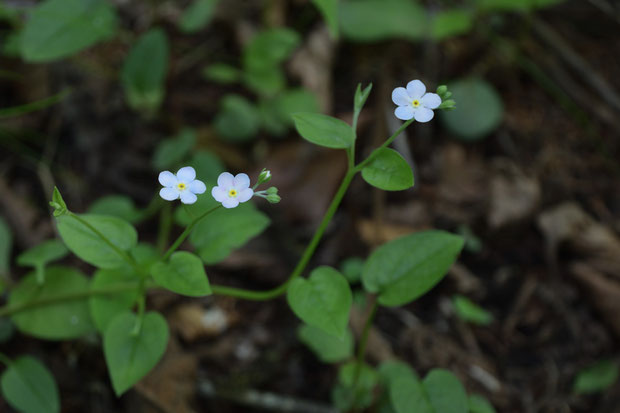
(12, 309)
(185, 233)
(303, 261)
(385, 144)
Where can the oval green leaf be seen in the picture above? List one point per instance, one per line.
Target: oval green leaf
(56, 319)
(131, 356)
(170, 153)
(323, 300)
(479, 404)
(89, 246)
(29, 387)
(404, 269)
(183, 274)
(469, 311)
(45, 252)
(327, 348)
(596, 377)
(59, 28)
(105, 307)
(324, 130)
(445, 392)
(197, 15)
(389, 171)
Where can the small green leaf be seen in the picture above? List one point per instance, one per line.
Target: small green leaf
(197, 15)
(482, 113)
(105, 307)
(119, 206)
(44, 253)
(171, 152)
(144, 71)
(479, 404)
(597, 377)
(56, 319)
(389, 171)
(404, 269)
(445, 392)
(29, 387)
(359, 100)
(131, 356)
(323, 300)
(224, 230)
(450, 23)
(352, 268)
(6, 243)
(183, 274)
(222, 73)
(469, 311)
(326, 347)
(347, 395)
(89, 246)
(269, 48)
(60, 28)
(58, 203)
(329, 10)
(375, 20)
(407, 393)
(324, 130)
(207, 165)
(237, 120)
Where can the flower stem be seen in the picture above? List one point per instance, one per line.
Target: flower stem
(385, 144)
(303, 261)
(185, 233)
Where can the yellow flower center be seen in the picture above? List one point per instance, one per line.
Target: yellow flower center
(232, 193)
(181, 186)
(415, 103)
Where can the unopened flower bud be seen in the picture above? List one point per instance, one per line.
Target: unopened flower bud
(265, 176)
(273, 198)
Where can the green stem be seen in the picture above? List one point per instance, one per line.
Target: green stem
(185, 233)
(116, 249)
(303, 261)
(384, 145)
(79, 295)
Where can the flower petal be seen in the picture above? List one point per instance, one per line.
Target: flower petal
(219, 194)
(186, 174)
(230, 203)
(241, 182)
(431, 100)
(197, 186)
(245, 195)
(225, 180)
(169, 194)
(404, 112)
(401, 97)
(416, 89)
(423, 114)
(167, 178)
(188, 198)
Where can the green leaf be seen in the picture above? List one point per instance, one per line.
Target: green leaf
(389, 171)
(346, 395)
(352, 268)
(479, 404)
(208, 166)
(55, 320)
(324, 130)
(222, 73)
(58, 203)
(294, 101)
(41, 255)
(224, 230)
(375, 20)
(326, 347)
(445, 392)
(238, 119)
(406, 268)
(119, 206)
(323, 300)
(105, 307)
(597, 377)
(406, 391)
(329, 10)
(265, 81)
(481, 112)
(514, 5)
(6, 243)
(450, 23)
(131, 356)
(469, 311)
(197, 16)
(269, 48)
(183, 274)
(59, 28)
(359, 100)
(171, 152)
(144, 71)
(6, 329)
(29, 387)
(89, 246)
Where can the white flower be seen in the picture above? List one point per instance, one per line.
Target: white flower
(414, 102)
(183, 185)
(231, 190)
